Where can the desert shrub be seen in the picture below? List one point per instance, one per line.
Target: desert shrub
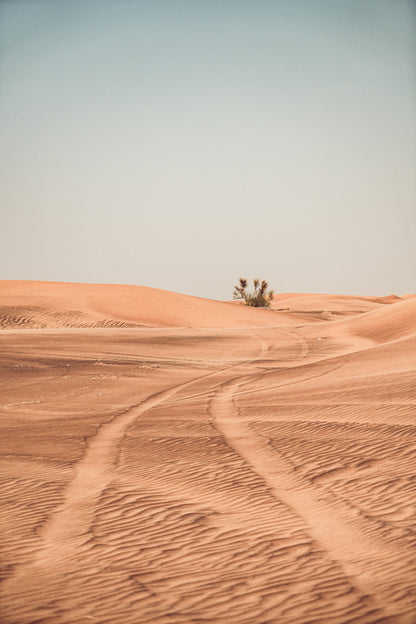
(260, 297)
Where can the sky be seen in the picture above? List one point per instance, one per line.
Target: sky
(181, 144)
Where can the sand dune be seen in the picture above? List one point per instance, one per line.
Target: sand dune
(220, 464)
(54, 304)
(329, 305)
(386, 324)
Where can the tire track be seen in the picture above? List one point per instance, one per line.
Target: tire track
(67, 529)
(65, 536)
(331, 522)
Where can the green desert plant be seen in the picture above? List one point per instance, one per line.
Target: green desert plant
(260, 297)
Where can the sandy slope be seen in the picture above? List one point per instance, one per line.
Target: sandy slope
(223, 465)
(53, 305)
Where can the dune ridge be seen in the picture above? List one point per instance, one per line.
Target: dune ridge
(257, 471)
(55, 304)
(386, 324)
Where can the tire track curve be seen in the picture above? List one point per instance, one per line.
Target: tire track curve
(68, 526)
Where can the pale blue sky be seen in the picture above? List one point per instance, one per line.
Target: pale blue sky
(182, 143)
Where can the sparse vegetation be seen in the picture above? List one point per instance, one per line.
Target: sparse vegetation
(260, 297)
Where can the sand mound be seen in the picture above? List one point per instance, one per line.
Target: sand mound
(336, 304)
(56, 304)
(387, 323)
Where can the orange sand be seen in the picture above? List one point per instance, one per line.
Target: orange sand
(175, 460)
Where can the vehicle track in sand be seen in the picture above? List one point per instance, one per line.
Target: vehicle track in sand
(67, 526)
(331, 522)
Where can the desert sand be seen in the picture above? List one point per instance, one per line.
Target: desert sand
(174, 460)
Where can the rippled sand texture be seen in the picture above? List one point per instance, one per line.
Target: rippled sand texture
(236, 466)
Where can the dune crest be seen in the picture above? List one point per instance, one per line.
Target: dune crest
(58, 304)
(387, 323)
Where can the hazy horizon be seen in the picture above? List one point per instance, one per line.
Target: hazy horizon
(183, 144)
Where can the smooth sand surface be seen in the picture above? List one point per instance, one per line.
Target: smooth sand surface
(54, 305)
(173, 460)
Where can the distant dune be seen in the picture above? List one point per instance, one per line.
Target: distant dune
(167, 459)
(336, 304)
(58, 304)
(387, 323)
